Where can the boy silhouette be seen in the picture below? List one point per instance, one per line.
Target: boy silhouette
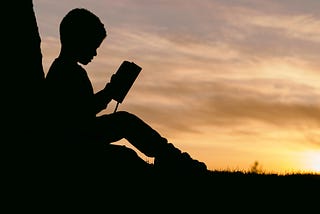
(77, 134)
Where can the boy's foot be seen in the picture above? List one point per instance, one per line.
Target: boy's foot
(179, 163)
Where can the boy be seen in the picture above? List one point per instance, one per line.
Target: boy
(77, 133)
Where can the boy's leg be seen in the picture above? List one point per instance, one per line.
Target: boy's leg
(116, 126)
(119, 125)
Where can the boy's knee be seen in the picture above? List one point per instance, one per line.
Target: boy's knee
(122, 113)
(126, 116)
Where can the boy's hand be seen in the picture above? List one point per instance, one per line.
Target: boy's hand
(114, 79)
(112, 85)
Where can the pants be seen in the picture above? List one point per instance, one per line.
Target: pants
(116, 126)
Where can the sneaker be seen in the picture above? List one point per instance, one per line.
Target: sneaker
(179, 163)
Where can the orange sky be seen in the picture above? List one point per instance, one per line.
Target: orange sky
(229, 82)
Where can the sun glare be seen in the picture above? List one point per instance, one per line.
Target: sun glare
(312, 161)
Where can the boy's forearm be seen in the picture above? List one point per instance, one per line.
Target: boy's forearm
(103, 98)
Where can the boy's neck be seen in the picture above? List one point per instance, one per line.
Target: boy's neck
(66, 55)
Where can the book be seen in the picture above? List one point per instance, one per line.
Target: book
(123, 79)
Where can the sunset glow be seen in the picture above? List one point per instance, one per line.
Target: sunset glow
(229, 82)
(312, 161)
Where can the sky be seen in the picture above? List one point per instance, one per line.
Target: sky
(231, 82)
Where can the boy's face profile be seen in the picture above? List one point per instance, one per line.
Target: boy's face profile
(81, 33)
(87, 51)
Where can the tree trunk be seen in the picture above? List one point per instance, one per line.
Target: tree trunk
(22, 85)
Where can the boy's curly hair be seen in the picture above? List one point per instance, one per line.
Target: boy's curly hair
(80, 25)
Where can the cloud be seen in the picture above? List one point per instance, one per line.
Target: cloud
(305, 27)
(227, 103)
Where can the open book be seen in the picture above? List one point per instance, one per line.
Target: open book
(124, 79)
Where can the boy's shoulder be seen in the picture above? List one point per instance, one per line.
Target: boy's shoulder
(63, 72)
(66, 67)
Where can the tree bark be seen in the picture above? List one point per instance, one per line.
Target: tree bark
(22, 79)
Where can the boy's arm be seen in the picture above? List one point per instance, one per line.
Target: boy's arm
(103, 98)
